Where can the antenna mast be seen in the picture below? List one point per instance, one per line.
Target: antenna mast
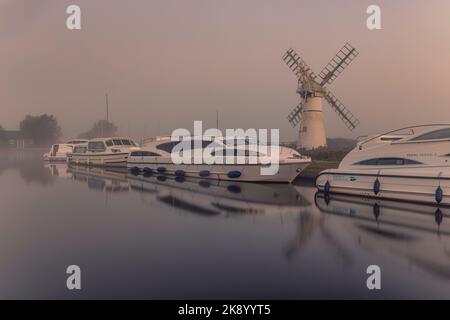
(217, 119)
(107, 108)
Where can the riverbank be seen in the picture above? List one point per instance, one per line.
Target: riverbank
(316, 167)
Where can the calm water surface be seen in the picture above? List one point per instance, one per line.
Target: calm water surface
(156, 237)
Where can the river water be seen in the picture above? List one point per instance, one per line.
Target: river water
(159, 238)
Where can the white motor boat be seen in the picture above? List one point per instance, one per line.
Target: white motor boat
(411, 164)
(111, 152)
(155, 156)
(58, 152)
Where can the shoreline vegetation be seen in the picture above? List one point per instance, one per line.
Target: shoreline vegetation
(326, 157)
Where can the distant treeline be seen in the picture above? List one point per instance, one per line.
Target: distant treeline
(44, 130)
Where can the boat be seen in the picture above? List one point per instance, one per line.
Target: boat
(109, 151)
(411, 164)
(58, 152)
(155, 156)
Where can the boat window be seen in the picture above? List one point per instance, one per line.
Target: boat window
(109, 143)
(149, 154)
(203, 144)
(434, 135)
(167, 147)
(117, 142)
(79, 150)
(234, 153)
(390, 138)
(96, 146)
(387, 162)
(144, 154)
(126, 142)
(238, 141)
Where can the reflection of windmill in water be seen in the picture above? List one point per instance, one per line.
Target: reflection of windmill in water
(311, 88)
(308, 223)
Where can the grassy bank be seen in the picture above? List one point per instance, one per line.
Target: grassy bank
(325, 157)
(317, 166)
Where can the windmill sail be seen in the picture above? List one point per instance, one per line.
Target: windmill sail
(295, 116)
(346, 116)
(297, 65)
(337, 64)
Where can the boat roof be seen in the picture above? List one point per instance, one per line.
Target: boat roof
(404, 134)
(110, 138)
(197, 137)
(77, 140)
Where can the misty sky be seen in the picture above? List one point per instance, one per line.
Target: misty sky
(166, 63)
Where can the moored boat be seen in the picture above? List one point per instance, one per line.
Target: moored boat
(110, 152)
(156, 156)
(411, 164)
(58, 152)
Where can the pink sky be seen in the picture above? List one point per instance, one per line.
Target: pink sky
(168, 63)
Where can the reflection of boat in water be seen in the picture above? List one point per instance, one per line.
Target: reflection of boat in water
(204, 197)
(411, 164)
(213, 197)
(98, 178)
(415, 232)
(58, 170)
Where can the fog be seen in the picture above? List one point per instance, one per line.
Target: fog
(167, 63)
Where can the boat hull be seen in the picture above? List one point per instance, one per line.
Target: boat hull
(249, 173)
(420, 187)
(101, 159)
(55, 158)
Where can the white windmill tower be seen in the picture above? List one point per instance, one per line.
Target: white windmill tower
(312, 90)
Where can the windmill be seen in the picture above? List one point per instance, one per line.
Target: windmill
(311, 88)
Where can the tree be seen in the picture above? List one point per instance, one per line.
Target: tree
(101, 128)
(43, 129)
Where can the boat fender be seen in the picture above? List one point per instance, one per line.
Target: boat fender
(376, 186)
(438, 194)
(234, 174)
(326, 187)
(204, 173)
(179, 173)
(161, 169)
(147, 170)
